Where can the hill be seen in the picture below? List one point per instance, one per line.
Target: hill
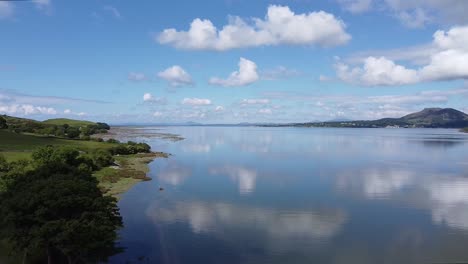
(440, 117)
(428, 117)
(71, 122)
(59, 127)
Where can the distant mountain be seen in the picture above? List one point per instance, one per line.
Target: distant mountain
(445, 117)
(428, 117)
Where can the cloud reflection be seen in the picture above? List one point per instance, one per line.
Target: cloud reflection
(246, 178)
(278, 226)
(174, 173)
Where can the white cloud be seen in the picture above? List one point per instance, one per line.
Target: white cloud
(26, 109)
(356, 6)
(416, 18)
(157, 114)
(114, 11)
(176, 76)
(149, 98)
(414, 13)
(265, 111)
(196, 101)
(219, 108)
(246, 75)
(67, 111)
(443, 11)
(254, 101)
(7, 9)
(448, 61)
(376, 71)
(136, 76)
(280, 26)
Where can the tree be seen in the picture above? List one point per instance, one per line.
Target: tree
(3, 123)
(72, 132)
(58, 208)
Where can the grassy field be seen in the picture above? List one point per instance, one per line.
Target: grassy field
(113, 181)
(71, 122)
(14, 146)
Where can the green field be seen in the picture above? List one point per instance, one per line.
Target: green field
(15, 146)
(71, 122)
(113, 181)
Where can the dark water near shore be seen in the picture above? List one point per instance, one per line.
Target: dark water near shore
(294, 195)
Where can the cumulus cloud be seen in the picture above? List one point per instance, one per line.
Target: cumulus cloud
(136, 76)
(196, 101)
(219, 108)
(280, 26)
(376, 71)
(6, 9)
(149, 98)
(176, 76)
(247, 74)
(157, 114)
(448, 61)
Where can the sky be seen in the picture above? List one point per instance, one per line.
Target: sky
(231, 61)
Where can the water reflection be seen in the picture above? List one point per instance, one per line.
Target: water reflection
(375, 183)
(287, 195)
(174, 173)
(450, 202)
(244, 177)
(288, 228)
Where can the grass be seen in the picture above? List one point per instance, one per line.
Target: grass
(113, 181)
(131, 170)
(14, 146)
(71, 122)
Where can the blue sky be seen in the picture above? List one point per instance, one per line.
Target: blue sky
(231, 61)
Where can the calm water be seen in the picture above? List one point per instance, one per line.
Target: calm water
(297, 195)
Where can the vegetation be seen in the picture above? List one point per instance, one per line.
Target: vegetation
(464, 130)
(63, 128)
(51, 206)
(97, 154)
(3, 123)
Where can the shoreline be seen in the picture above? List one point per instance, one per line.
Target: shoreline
(127, 171)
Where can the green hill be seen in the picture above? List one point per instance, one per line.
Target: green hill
(71, 122)
(59, 127)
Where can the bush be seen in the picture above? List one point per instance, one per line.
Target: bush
(102, 158)
(72, 132)
(131, 148)
(112, 140)
(3, 123)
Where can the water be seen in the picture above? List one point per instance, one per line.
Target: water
(301, 195)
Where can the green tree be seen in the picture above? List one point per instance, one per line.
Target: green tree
(57, 208)
(3, 123)
(72, 132)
